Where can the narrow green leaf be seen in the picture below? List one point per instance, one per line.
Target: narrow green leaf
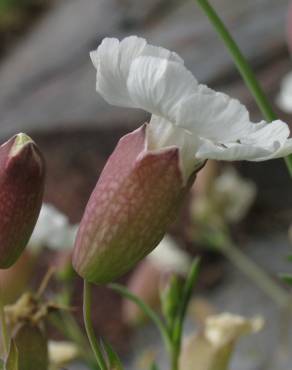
(113, 358)
(186, 296)
(170, 299)
(12, 362)
(151, 314)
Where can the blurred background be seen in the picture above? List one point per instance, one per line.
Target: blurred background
(47, 89)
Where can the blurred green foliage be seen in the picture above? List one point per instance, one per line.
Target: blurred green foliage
(16, 16)
(7, 5)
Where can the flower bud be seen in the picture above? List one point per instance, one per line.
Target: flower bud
(136, 198)
(22, 172)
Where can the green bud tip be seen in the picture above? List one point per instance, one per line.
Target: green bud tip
(21, 140)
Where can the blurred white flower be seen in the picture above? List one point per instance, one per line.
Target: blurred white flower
(228, 200)
(53, 230)
(236, 193)
(168, 257)
(62, 353)
(284, 98)
(202, 123)
(226, 327)
(212, 348)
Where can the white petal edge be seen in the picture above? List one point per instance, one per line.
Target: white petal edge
(113, 59)
(256, 151)
(169, 90)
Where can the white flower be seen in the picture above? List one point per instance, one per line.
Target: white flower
(235, 194)
(167, 256)
(62, 353)
(284, 99)
(226, 327)
(53, 230)
(213, 346)
(203, 123)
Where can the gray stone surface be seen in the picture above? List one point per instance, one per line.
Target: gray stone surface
(47, 81)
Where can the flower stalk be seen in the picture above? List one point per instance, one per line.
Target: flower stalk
(4, 330)
(87, 298)
(243, 67)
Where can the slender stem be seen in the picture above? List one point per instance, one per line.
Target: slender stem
(4, 330)
(254, 272)
(185, 300)
(177, 333)
(243, 67)
(87, 298)
(174, 361)
(149, 312)
(46, 279)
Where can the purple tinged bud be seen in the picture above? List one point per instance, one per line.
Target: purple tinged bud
(136, 198)
(22, 175)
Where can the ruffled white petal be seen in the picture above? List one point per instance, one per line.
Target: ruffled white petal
(216, 116)
(113, 59)
(169, 90)
(203, 123)
(269, 142)
(159, 85)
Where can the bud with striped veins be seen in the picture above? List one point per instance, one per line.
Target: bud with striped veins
(22, 174)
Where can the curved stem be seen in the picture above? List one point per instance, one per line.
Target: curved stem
(174, 360)
(243, 67)
(87, 298)
(151, 314)
(4, 330)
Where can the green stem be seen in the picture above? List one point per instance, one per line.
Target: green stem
(177, 333)
(149, 312)
(243, 67)
(174, 359)
(4, 330)
(87, 298)
(185, 300)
